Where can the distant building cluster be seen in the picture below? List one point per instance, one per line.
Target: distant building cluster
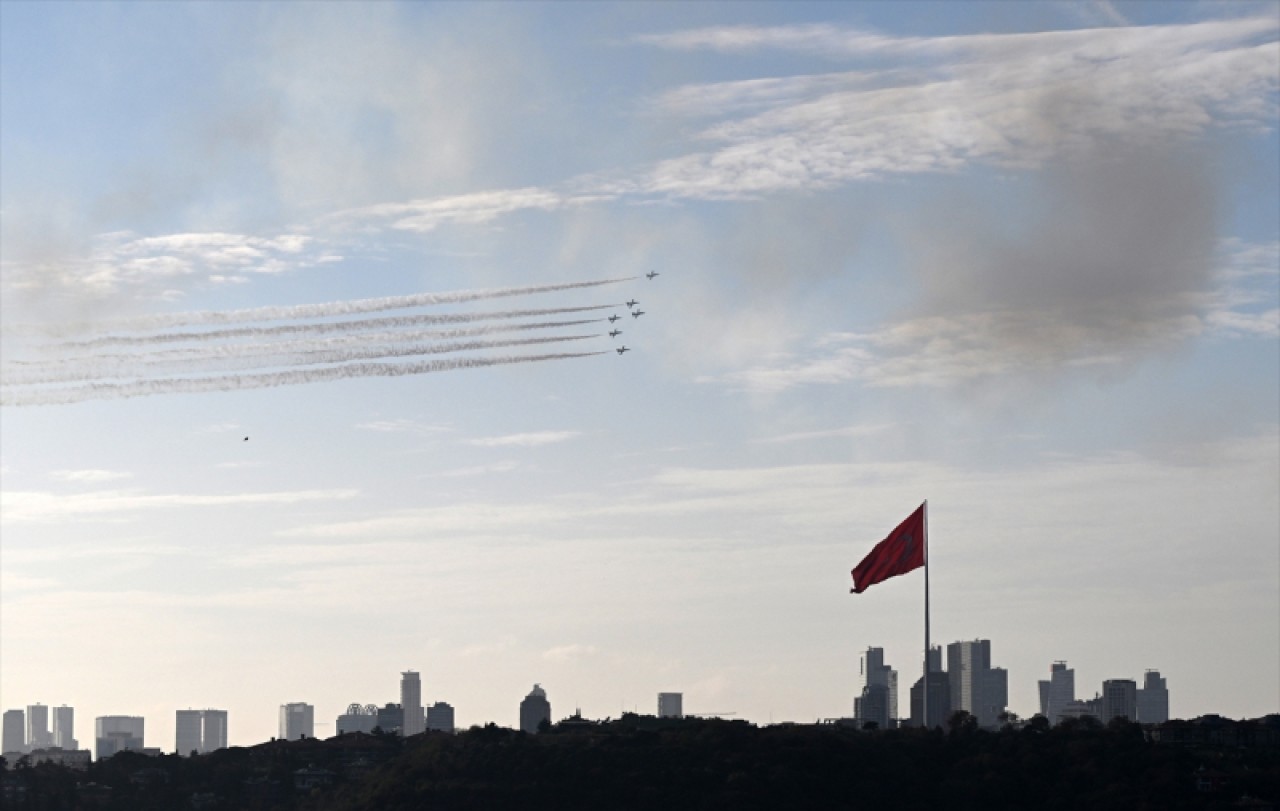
(29, 731)
(969, 683)
(1119, 698)
(409, 717)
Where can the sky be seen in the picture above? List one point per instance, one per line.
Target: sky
(306, 378)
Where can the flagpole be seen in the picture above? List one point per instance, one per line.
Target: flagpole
(927, 650)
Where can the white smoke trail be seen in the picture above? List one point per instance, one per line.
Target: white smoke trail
(307, 357)
(84, 367)
(334, 308)
(144, 388)
(323, 328)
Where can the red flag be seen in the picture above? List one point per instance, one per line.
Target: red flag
(897, 554)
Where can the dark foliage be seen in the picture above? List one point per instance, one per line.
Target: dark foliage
(644, 762)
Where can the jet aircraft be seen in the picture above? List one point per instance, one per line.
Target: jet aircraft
(622, 349)
(613, 318)
(651, 274)
(632, 303)
(615, 333)
(637, 313)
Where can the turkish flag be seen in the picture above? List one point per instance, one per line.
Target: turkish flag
(897, 554)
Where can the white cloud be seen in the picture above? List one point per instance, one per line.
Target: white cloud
(569, 653)
(532, 439)
(25, 506)
(848, 432)
(91, 476)
(403, 425)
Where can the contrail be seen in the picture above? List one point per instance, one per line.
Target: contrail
(144, 388)
(337, 308)
(308, 357)
(324, 328)
(80, 367)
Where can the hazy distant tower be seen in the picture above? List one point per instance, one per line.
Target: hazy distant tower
(440, 717)
(671, 705)
(64, 728)
(1119, 700)
(411, 703)
(1057, 692)
(15, 731)
(38, 735)
(297, 721)
(116, 733)
(1153, 699)
(875, 674)
(976, 687)
(534, 709)
(200, 731)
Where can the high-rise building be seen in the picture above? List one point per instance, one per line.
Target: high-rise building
(116, 733)
(64, 728)
(671, 705)
(411, 703)
(15, 732)
(200, 731)
(297, 721)
(976, 687)
(534, 709)
(189, 734)
(1057, 692)
(38, 734)
(878, 702)
(391, 718)
(1119, 700)
(935, 659)
(1153, 699)
(440, 717)
(872, 707)
(939, 700)
(358, 718)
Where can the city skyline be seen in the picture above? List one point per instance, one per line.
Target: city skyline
(203, 731)
(306, 372)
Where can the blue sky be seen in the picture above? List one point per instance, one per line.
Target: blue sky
(1019, 259)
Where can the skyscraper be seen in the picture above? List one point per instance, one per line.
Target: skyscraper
(116, 733)
(200, 731)
(1119, 700)
(297, 721)
(1153, 699)
(411, 702)
(189, 734)
(671, 705)
(879, 700)
(15, 732)
(440, 717)
(939, 700)
(976, 687)
(38, 734)
(1057, 692)
(64, 726)
(534, 709)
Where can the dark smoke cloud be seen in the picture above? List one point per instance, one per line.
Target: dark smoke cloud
(1112, 244)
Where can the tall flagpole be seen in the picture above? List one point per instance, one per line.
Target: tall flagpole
(927, 650)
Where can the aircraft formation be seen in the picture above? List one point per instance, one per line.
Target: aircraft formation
(635, 313)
